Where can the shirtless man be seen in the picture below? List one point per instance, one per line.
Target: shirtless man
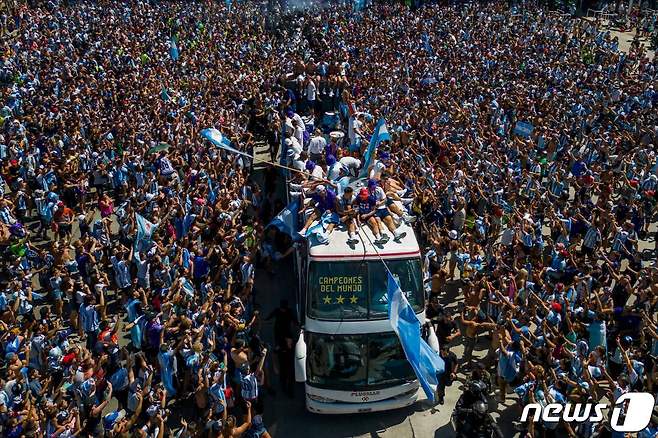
(471, 327)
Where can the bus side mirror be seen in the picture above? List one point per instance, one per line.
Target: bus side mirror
(300, 359)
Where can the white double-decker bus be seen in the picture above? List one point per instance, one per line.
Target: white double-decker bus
(348, 356)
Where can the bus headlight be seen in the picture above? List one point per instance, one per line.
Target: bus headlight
(320, 399)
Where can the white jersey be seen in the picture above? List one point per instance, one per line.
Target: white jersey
(350, 163)
(299, 164)
(380, 194)
(316, 145)
(318, 172)
(293, 144)
(377, 169)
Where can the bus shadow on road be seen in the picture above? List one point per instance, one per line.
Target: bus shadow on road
(292, 419)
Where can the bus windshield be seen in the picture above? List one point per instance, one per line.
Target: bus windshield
(353, 362)
(358, 290)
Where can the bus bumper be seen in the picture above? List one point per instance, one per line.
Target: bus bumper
(334, 408)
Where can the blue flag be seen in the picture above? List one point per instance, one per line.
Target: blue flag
(286, 220)
(426, 43)
(173, 49)
(145, 230)
(212, 195)
(426, 363)
(380, 134)
(523, 129)
(317, 234)
(219, 140)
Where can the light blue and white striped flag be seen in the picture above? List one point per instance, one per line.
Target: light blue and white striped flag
(221, 141)
(212, 194)
(286, 220)
(187, 286)
(145, 230)
(173, 49)
(379, 135)
(317, 234)
(426, 363)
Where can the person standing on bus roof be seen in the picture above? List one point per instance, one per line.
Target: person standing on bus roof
(316, 146)
(376, 169)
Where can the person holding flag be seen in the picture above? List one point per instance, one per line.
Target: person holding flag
(173, 48)
(324, 201)
(145, 230)
(379, 135)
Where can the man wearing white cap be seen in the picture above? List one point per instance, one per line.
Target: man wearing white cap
(292, 143)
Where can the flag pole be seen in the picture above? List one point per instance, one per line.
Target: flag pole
(272, 163)
(358, 230)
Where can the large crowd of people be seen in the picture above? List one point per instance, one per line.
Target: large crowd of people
(522, 149)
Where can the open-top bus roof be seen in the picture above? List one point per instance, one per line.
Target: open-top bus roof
(337, 248)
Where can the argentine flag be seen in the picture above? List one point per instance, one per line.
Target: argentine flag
(380, 135)
(286, 220)
(317, 234)
(173, 49)
(426, 363)
(218, 139)
(212, 195)
(145, 230)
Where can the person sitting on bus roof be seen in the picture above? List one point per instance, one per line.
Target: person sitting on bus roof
(369, 213)
(334, 168)
(375, 170)
(325, 200)
(348, 215)
(382, 211)
(366, 207)
(391, 189)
